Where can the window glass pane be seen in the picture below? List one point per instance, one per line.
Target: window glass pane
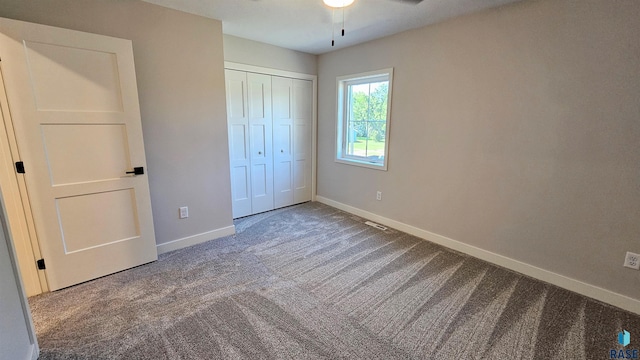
(366, 120)
(363, 101)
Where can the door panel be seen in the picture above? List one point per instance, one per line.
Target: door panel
(73, 95)
(75, 213)
(238, 142)
(86, 143)
(299, 178)
(259, 173)
(261, 138)
(73, 79)
(303, 119)
(236, 97)
(259, 141)
(241, 189)
(282, 140)
(238, 127)
(283, 184)
(282, 92)
(259, 90)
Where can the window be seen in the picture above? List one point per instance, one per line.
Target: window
(364, 105)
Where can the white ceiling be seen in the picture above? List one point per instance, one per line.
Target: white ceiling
(305, 25)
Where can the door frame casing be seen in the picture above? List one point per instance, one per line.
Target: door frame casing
(314, 125)
(7, 237)
(19, 214)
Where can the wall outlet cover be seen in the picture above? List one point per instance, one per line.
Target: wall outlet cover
(632, 260)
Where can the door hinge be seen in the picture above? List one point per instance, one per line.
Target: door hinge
(20, 167)
(41, 265)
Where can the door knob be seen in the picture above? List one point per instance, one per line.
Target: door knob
(259, 152)
(136, 171)
(281, 150)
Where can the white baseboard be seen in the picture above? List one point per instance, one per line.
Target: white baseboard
(195, 239)
(592, 291)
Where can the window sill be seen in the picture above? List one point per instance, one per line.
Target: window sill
(362, 163)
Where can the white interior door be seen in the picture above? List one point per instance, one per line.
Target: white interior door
(239, 151)
(260, 138)
(302, 124)
(74, 104)
(282, 93)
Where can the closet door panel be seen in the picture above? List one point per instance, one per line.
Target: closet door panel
(239, 154)
(283, 165)
(259, 180)
(282, 100)
(282, 137)
(261, 137)
(238, 144)
(302, 132)
(282, 181)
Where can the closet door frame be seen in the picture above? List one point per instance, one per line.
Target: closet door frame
(314, 126)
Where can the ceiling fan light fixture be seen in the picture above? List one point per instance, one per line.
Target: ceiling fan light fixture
(338, 3)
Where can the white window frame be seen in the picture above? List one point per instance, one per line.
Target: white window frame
(341, 117)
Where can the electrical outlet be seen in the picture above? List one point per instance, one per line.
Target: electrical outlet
(184, 212)
(379, 195)
(632, 261)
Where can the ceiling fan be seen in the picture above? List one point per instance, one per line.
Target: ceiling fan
(341, 4)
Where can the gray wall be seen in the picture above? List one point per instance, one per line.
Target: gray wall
(15, 340)
(179, 66)
(255, 53)
(515, 130)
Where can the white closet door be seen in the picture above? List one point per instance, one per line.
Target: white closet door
(282, 94)
(260, 139)
(239, 152)
(302, 123)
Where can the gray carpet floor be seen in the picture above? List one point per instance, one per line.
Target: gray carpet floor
(313, 282)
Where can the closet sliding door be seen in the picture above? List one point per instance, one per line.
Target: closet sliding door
(282, 91)
(250, 141)
(292, 122)
(270, 141)
(302, 141)
(239, 152)
(260, 140)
